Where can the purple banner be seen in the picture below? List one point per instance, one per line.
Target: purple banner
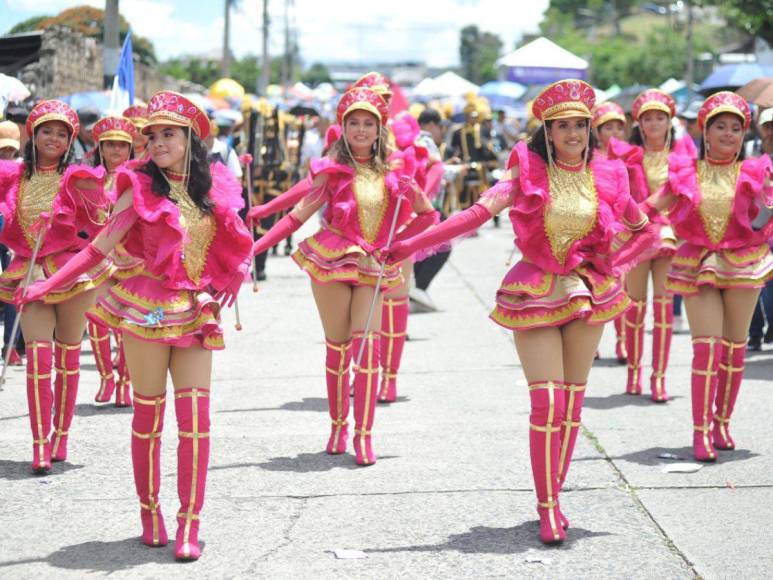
(532, 75)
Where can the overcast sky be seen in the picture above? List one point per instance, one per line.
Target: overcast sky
(328, 31)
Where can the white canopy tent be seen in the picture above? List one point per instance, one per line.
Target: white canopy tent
(541, 61)
(448, 84)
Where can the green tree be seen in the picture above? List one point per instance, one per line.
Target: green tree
(316, 74)
(478, 52)
(89, 22)
(755, 17)
(28, 25)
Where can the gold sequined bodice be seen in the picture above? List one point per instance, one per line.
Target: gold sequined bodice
(655, 165)
(36, 195)
(200, 230)
(571, 213)
(371, 196)
(717, 186)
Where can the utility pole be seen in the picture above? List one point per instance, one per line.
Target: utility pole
(286, 59)
(111, 43)
(265, 73)
(226, 62)
(690, 71)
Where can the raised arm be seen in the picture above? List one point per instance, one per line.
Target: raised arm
(122, 219)
(288, 199)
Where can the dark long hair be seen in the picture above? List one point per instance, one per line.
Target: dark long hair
(200, 180)
(97, 157)
(539, 145)
(702, 149)
(29, 159)
(637, 138)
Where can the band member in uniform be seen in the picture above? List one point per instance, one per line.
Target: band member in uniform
(721, 263)
(362, 195)
(51, 209)
(566, 209)
(180, 217)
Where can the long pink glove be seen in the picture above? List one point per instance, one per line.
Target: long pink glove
(470, 219)
(81, 263)
(281, 229)
(418, 224)
(635, 215)
(288, 199)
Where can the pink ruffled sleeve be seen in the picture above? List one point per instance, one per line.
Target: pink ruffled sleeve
(632, 156)
(685, 146)
(752, 192)
(232, 243)
(683, 183)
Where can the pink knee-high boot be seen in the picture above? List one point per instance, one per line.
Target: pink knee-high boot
(570, 427)
(548, 404)
(634, 344)
(662, 332)
(365, 382)
(40, 399)
(337, 360)
(123, 397)
(620, 352)
(67, 364)
(99, 336)
(147, 426)
(192, 410)
(705, 364)
(394, 323)
(729, 377)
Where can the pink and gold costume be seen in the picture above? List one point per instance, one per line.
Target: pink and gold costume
(565, 221)
(712, 217)
(184, 252)
(70, 218)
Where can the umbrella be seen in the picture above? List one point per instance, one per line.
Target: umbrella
(759, 92)
(12, 89)
(99, 100)
(502, 93)
(226, 89)
(733, 76)
(300, 110)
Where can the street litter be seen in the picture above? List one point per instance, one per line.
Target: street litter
(670, 456)
(349, 554)
(682, 468)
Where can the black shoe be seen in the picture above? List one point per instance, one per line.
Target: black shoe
(260, 276)
(288, 250)
(769, 334)
(755, 344)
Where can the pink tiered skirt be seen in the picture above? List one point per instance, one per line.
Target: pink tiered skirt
(694, 266)
(532, 298)
(329, 257)
(142, 307)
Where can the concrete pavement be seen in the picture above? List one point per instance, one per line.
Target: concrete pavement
(451, 495)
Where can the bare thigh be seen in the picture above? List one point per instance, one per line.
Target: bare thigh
(406, 269)
(38, 321)
(739, 309)
(705, 312)
(191, 367)
(71, 317)
(660, 268)
(636, 281)
(333, 304)
(148, 363)
(540, 352)
(362, 298)
(580, 342)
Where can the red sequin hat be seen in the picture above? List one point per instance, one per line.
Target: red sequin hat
(362, 99)
(53, 110)
(170, 108)
(653, 100)
(114, 129)
(376, 82)
(564, 99)
(724, 102)
(137, 114)
(605, 112)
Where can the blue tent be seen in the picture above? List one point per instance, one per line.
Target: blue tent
(733, 76)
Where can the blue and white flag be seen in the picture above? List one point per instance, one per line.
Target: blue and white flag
(123, 83)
